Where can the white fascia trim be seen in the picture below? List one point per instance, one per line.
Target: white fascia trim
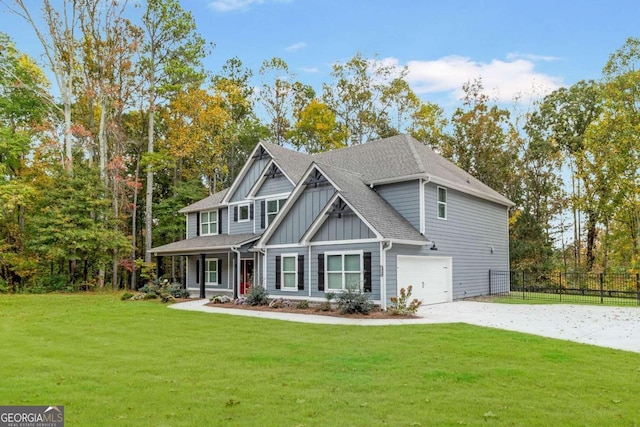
(397, 179)
(466, 190)
(242, 173)
(410, 242)
(284, 245)
(343, 242)
(273, 196)
(294, 195)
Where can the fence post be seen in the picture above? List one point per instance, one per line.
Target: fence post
(601, 288)
(638, 286)
(490, 282)
(523, 285)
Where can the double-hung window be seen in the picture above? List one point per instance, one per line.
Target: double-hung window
(211, 271)
(344, 271)
(442, 203)
(273, 207)
(208, 223)
(243, 213)
(289, 272)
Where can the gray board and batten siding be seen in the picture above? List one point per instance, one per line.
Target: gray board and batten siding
(475, 233)
(274, 185)
(301, 215)
(249, 179)
(347, 227)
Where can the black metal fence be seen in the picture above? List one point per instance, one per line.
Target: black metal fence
(588, 288)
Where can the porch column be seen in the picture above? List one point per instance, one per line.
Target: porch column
(159, 271)
(201, 273)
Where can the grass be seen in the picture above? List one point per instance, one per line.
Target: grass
(114, 363)
(518, 297)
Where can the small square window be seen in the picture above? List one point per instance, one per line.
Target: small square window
(243, 213)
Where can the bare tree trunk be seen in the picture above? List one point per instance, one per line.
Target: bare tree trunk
(134, 226)
(148, 214)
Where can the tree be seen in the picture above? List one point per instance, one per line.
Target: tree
(277, 96)
(172, 54)
(316, 129)
(59, 45)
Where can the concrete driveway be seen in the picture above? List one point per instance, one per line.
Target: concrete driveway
(614, 327)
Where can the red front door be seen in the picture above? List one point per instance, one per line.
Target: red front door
(246, 275)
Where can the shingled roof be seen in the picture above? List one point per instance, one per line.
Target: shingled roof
(212, 202)
(402, 157)
(371, 206)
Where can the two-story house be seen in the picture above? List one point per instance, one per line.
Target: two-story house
(378, 216)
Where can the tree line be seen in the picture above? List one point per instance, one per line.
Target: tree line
(92, 177)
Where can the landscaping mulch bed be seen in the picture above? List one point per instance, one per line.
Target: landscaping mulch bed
(376, 313)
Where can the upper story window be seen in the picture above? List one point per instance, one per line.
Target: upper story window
(208, 223)
(442, 203)
(243, 213)
(273, 207)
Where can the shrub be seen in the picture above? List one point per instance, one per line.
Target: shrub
(126, 296)
(177, 291)
(220, 299)
(257, 295)
(326, 306)
(400, 306)
(354, 301)
(302, 305)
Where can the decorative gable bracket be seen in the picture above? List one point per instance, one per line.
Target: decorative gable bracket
(261, 153)
(339, 208)
(316, 179)
(273, 171)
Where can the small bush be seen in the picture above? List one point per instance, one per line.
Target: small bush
(126, 296)
(400, 306)
(302, 305)
(177, 291)
(326, 306)
(220, 299)
(354, 301)
(257, 295)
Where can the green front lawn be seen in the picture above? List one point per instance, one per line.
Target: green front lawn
(114, 363)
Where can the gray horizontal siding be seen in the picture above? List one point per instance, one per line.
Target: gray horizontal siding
(192, 224)
(271, 272)
(301, 215)
(236, 227)
(473, 226)
(277, 185)
(250, 178)
(348, 227)
(374, 248)
(405, 198)
(223, 263)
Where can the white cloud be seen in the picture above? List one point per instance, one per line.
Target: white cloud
(503, 80)
(309, 69)
(230, 5)
(531, 57)
(295, 47)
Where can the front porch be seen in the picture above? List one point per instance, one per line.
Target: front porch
(214, 265)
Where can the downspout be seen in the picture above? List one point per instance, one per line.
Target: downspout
(236, 284)
(383, 278)
(421, 198)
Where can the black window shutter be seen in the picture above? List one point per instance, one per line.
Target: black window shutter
(278, 269)
(251, 211)
(219, 267)
(197, 271)
(367, 271)
(219, 222)
(235, 214)
(262, 214)
(197, 223)
(321, 272)
(301, 272)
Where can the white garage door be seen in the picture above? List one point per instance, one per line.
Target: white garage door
(429, 276)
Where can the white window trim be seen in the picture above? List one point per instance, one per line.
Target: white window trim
(438, 202)
(326, 269)
(248, 206)
(295, 271)
(266, 208)
(206, 272)
(209, 222)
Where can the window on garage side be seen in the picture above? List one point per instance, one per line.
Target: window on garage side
(442, 203)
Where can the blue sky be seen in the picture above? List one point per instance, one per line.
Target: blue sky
(516, 47)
